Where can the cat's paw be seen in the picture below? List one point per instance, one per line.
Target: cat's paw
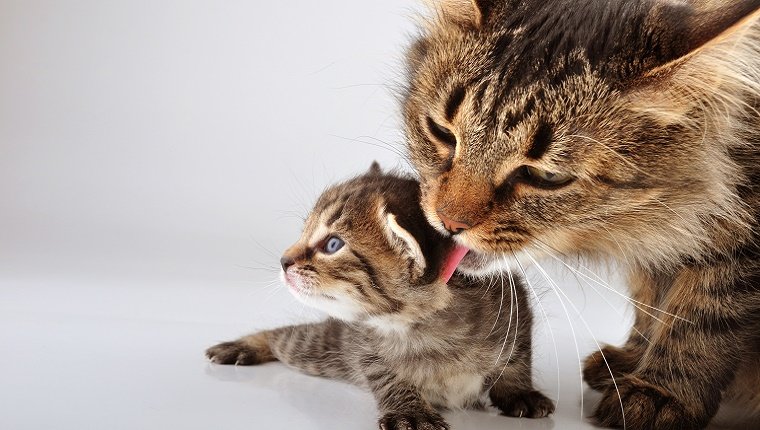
(638, 405)
(235, 352)
(597, 367)
(525, 404)
(418, 420)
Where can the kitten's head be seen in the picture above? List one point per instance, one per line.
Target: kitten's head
(367, 251)
(582, 125)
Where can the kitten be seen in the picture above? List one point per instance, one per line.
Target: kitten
(369, 259)
(609, 128)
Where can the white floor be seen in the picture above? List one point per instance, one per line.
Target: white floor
(100, 353)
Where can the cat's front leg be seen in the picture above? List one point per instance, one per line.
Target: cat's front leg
(693, 354)
(601, 368)
(400, 404)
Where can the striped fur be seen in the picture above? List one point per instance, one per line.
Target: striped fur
(415, 342)
(650, 109)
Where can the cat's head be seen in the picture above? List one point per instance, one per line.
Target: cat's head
(367, 251)
(582, 125)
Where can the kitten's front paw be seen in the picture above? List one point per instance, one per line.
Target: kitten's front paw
(597, 367)
(413, 421)
(235, 352)
(638, 405)
(525, 404)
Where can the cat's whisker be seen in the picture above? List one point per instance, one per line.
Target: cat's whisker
(603, 145)
(572, 330)
(549, 326)
(501, 305)
(638, 304)
(559, 291)
(377, 145)
(512, 296)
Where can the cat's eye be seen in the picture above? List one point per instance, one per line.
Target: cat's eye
(332, 245)
(441, 133)
(545, 178)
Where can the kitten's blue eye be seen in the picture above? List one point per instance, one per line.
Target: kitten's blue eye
(333, 245)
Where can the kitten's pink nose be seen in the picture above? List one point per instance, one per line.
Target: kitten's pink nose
(454, 226)
(286, 262)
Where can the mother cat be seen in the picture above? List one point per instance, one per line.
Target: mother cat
(609, 128)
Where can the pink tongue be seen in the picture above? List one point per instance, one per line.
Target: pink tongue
(452, 261)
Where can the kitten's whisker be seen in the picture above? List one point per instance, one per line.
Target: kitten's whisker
(559, 291)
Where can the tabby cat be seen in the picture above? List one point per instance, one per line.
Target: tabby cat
(370, 260)
(609, 128)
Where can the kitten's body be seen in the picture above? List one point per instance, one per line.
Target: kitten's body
(414, 341)
(609, 128)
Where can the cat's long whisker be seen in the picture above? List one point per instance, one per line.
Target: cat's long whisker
(501, 305)
(598, 293)
(625, 160)
(377, 145)
(638, 304)
(551, 331)
(559, 291)
(512, 294)
(572, 330)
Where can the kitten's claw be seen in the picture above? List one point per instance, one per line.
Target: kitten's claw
(236, 353)
(413, 421)
(527, 404)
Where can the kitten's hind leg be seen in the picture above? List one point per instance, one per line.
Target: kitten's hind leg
(246, 351)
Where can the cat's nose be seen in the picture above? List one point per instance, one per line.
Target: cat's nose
(286, 262)
(452, 225)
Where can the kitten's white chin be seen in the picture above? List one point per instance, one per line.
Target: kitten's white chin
(337, 307)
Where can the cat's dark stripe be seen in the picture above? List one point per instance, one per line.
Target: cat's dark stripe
(455, 100)
(542, 138)
(517, 118)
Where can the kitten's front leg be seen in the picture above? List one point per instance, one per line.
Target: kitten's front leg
(315, 349)
(401, 405)
(513, 393)
(692, 358)
(246, 351)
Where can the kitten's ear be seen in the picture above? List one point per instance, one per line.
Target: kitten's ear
(680, 30)
(374, 169)
(402, 240)
(470, 12)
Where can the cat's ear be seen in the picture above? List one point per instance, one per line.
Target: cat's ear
(680, 30)
(708, 60)
(374, 169)
(402, 240)
(469, 12)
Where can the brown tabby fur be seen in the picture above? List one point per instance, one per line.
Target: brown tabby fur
(650, 107)
(414, 341)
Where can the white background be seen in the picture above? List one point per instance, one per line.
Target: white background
(155, 157)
